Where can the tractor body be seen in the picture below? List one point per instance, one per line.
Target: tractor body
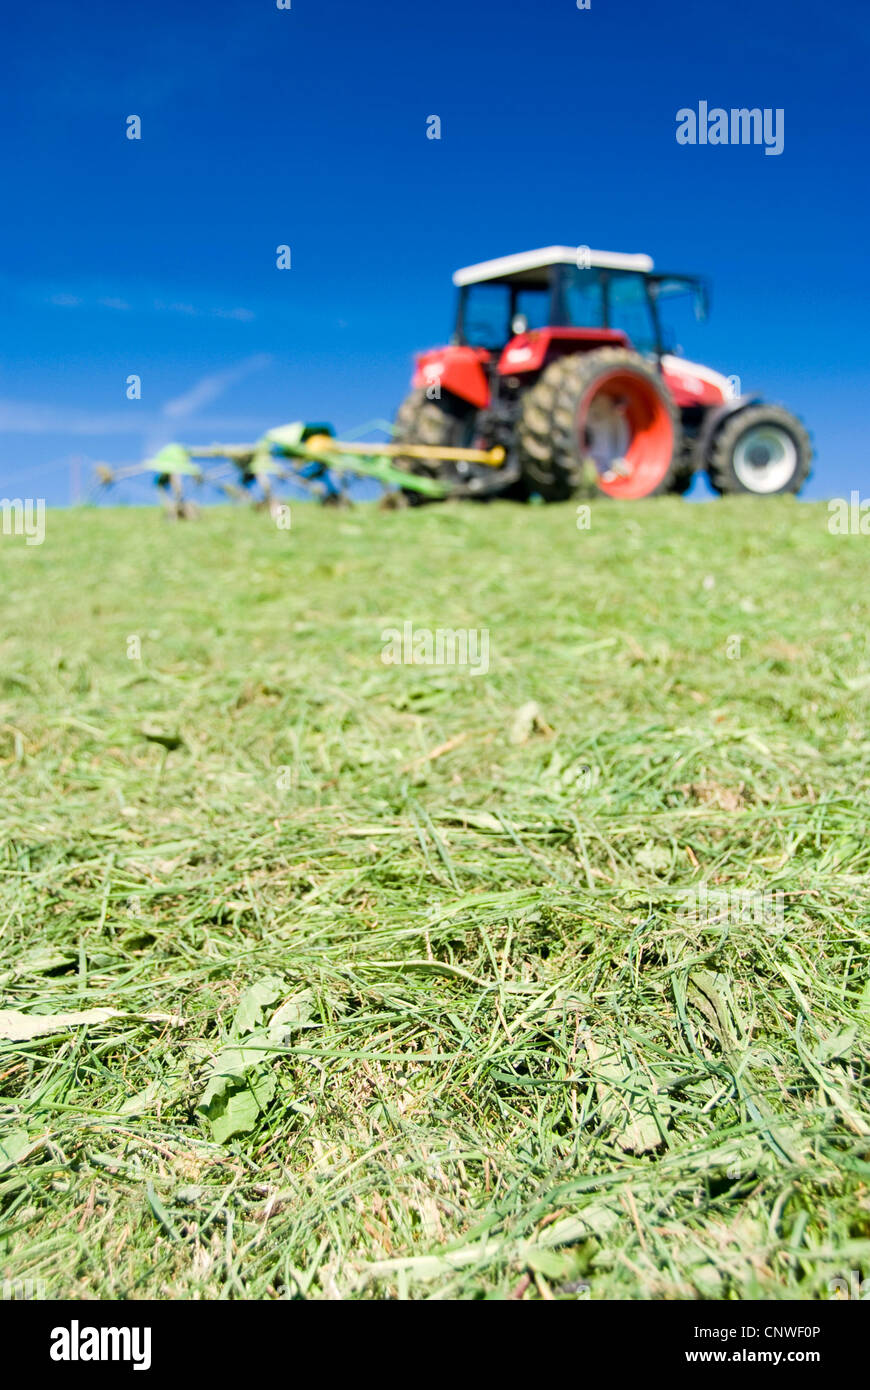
(562, 357)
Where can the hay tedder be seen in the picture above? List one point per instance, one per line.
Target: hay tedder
(560, 378)
(307, 455)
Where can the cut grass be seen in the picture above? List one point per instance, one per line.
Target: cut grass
(521, 1068)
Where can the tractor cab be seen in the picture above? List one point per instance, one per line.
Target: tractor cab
(610, 295)
(517, 314)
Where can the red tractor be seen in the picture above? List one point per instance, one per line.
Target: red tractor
(560, 366)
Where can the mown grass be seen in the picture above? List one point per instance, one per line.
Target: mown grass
(516, 1068)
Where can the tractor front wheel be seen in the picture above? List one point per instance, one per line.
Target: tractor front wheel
(604, 417)
(761, 450)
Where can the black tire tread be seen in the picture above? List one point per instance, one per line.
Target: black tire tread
(720, 471)
(420, 420)
(549, 448)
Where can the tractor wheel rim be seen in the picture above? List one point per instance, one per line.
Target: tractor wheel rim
(608, 434)
(626, 430)
(765, 459)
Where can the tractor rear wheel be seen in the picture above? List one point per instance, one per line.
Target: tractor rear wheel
(762, 450)
(683, 470)
(419, 420)
(604, 416)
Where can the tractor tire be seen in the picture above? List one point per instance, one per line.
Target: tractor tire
(419, 420)
(603, 418)
(762, 450)
(683, 470)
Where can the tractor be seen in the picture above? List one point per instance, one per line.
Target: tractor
(560, 366)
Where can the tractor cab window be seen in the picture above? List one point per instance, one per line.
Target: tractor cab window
(629, 310)
(583, 299)
(682, 305)
(490, 308)
(534, 305)
(486, 315)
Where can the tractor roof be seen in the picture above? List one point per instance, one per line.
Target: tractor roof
(530, 267)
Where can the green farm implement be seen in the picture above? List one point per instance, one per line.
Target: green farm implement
(307, 455)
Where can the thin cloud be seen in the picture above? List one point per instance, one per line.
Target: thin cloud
(209, 388)
(32, 417)
(63, 299)
(25, 417)
(242, 315)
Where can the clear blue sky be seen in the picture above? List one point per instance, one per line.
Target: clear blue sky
(308, 127)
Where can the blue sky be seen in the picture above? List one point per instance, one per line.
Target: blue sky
(307, 127)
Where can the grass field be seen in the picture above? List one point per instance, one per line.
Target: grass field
(410, 1002)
